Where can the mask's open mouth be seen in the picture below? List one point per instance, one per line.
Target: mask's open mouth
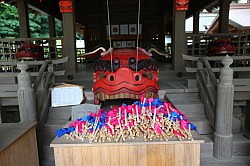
(102, 96)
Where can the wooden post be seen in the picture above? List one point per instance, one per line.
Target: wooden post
(26, 95)
(178, 40)
(224, 15)
(0, 115)
(69, 39)
(199, 66)
(52, 34)
(51, 70)
(223, 137)
(247, 122)
(23, 14)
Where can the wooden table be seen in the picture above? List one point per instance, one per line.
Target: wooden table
(18, 144)
(130, 153)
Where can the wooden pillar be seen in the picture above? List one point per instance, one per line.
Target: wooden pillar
(23, 18)
(178, 40)
(224, 15)
(196, 22)
(0, 115)
(51, 21)
(247, 120)
(223, 137)
(196, 39)
(69, 39)
(52, 33)
(26, 95)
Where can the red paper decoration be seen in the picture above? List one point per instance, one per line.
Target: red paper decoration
(181, 4)
(65, 6)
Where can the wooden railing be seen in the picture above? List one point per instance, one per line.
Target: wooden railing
(52, 47)
(33, 86)
(198, 44)
(206, 83)
(218, 86)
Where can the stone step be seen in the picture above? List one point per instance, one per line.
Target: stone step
(45, 137)
(240, 155)
(236, 160)
(191, 105)
(9, 87)
(4, 94)
(191, 83)
(8, 79)
(191, 109)
(184, 98)
(180, 90)
(59, 113)
(241, 145)
(9, 101)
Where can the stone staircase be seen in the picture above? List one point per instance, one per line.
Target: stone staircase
(58, 117)
(190, 104)
(8, 100)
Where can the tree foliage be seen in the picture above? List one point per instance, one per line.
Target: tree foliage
(9, 23)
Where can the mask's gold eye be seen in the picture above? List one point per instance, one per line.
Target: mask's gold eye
(103, 75)
(148, 75)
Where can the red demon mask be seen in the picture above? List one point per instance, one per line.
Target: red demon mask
(222, 46)
(30, 51)
(125, 73)
(181, 4)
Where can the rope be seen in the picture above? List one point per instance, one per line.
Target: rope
(138, 29)
(111, 64)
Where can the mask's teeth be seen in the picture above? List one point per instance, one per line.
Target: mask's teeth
(106, 96)
(121, 95)
(132, 96)
(126, 95)
(148, 94)
(102, 96)
(111, 97)
(116, 96)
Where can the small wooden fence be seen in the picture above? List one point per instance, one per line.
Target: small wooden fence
(52, 47)
(198, 44)
(31, 86)
(219, 85)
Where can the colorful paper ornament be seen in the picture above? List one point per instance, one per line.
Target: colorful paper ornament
(147, 118)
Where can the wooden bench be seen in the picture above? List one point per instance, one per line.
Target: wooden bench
(18, 144)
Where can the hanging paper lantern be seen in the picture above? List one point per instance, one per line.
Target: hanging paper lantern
(181, 4)
(65, 6)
